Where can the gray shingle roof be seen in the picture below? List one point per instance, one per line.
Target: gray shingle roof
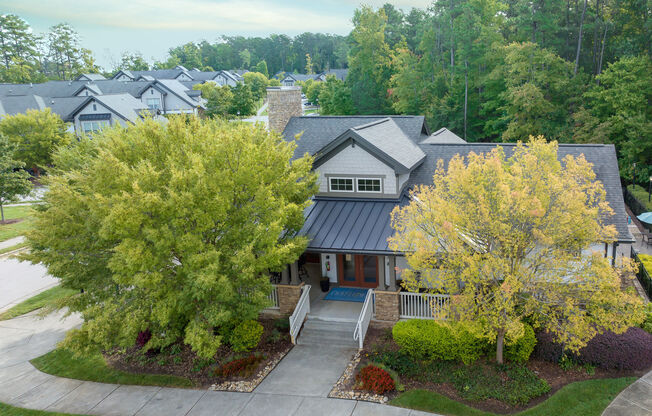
(319, 131)
(339, 73)
(20, 104)
(92, 77)
(443, 136)
(349, 225)
(602, 156)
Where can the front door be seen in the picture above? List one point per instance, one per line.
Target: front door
(357, 270)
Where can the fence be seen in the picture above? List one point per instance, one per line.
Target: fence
(643, 274)
(273, 297)
(423, 305)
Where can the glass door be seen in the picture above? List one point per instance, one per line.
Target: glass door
(357, 270)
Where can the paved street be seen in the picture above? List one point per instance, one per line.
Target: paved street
(20, 281)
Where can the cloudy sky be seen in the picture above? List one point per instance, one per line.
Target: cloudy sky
(110, 27)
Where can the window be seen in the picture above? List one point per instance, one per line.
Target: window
(154, 103)
(94, 107)
(89, 127)
(151, 92)
(341, 184)
(368, 185)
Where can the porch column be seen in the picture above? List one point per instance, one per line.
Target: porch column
(294, 273)
(381, 273)
(392, 274)
(285, 276)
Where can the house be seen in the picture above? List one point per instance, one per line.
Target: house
(290, 79)
(90, 77)
(86, 114)
(366, 166)
(339, 74)
(164, 95)
(181, 74)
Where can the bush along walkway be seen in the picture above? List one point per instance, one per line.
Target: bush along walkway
(21, 385)
(635, 400)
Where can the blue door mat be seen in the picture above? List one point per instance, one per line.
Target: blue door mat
(347, 294)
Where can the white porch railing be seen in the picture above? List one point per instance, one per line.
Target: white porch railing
(423, 305)
(273, 297)
(365, 317)
(300, 311)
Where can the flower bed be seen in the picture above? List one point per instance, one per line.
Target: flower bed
(482, 384)
(231, 368)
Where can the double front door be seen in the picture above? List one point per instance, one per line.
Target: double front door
(357, 270)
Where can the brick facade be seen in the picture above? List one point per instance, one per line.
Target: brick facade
(387, 306)
(288, 297)
(283, 103)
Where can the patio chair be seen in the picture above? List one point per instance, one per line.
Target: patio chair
(647, 235)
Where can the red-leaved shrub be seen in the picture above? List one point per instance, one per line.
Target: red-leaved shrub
(631, 350)
(242, 366)
(375, 379)
(143, 338)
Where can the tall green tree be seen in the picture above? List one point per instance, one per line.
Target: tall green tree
(261, 67)
(369, 62)
(132, 62)
(65, 54)
(173, 229)
(14, 181)
(17, 41)
(219, 99)
(243, 100)
(335, 98)
(257, 83)
(36, 134)
(507, 237)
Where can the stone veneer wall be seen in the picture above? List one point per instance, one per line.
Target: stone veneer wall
(387, 306)
(283, 103)
(288, 297)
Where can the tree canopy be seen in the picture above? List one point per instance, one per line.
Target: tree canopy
(172, 229)
(14, 181)
(510, 238)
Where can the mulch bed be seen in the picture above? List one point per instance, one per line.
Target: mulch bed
(180, 360)
(11, 221)
(551, 372)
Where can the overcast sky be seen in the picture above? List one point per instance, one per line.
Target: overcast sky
(110, 27)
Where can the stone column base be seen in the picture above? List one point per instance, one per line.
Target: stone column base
(288, 297)
(387, 305)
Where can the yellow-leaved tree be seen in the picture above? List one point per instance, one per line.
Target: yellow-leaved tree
(509, 238)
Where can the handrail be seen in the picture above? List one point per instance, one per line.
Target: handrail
(300, 311)
(364, 319)
(422, 305)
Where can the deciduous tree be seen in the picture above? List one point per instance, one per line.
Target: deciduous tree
(14, 181)
(506, 237)
(173, 229)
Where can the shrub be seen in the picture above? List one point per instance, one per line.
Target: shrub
(426, 339)
(274, 337)
(375, 379)
(631, 350)
(143, 338)
(282, 324)
(239, 367)
(246, 335)
(519, 351)
(647, 323)
(512, 383)
(398, 361)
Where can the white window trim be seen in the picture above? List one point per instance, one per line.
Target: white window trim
(330, 187)
(101, 125)
(357, 185)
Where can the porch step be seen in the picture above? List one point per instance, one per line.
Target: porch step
(319, 332)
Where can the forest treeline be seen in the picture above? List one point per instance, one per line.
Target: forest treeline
(572, 70)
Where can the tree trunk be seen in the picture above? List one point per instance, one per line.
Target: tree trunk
(579, 39)
(2, 214)
(37, 171)
(604, 40)
(466, 93)
(500, 343)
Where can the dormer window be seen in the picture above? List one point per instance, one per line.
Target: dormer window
(368, 185)
(341, 184)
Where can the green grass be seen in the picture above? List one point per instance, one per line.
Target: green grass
(46, 298)
(8, 231)
(14, 247)
(583, 398)
(314, 110)
(62, 363)
(7, 410)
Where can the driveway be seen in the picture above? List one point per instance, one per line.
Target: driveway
(21, 280)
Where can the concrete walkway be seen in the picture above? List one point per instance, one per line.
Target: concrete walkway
(291, 389)
(21, 280)
(11, 242)
(635, 400)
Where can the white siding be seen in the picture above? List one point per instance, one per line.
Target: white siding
(152, 93)
(183, 77)
(99, 109)
(124, 78)
(356, 161)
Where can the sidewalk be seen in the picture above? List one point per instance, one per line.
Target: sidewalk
(27, 337)
(635, 400)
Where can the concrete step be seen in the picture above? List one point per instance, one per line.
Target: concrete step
(320, 332)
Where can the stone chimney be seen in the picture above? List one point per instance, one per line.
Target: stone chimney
(283, 103)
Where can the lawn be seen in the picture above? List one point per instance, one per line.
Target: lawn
(6, 410)
(583, 398)
(62, 363)
(46, 298)
(14, 247)
(8, 231)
